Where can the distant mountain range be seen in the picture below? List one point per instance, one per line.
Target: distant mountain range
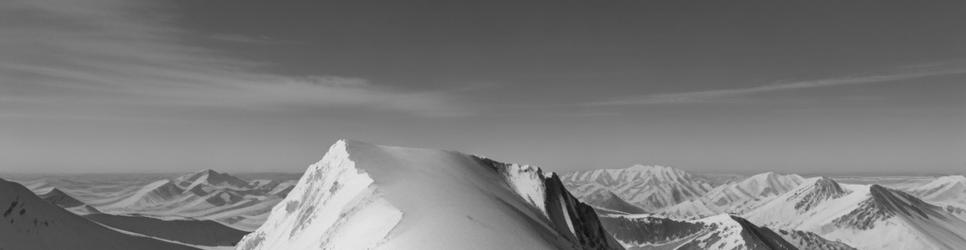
(651, 188)
(796, 208)
(863, 216)
(207, 194)
(361, 196)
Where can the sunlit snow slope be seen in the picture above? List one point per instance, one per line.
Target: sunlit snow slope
(363, 196)
(948, 192)
(863, 216)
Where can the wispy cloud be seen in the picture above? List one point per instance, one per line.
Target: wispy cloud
(236, 38)
(77, 52)
(724, 94)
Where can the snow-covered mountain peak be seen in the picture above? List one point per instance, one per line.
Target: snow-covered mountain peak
(863, 216)
(770, 183)
(946, 191)
(736, 197)
(822, 189)
(650, 168)
(658, 172)
(363, 196)
(946, 185)
(647, 187)
(894, 201)
(211, 177)
(827, 185)
(770, 177)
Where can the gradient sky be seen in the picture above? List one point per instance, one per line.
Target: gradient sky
(719, 86)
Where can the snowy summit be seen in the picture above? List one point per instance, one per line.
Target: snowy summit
(363, 196)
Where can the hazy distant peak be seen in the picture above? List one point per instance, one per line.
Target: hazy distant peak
(949, 180)
(211, 177)
(828, 185)
(58, 197)
(773, 177)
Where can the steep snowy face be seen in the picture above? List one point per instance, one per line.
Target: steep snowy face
(865, 217)
(333, 206)
(715, 232)
(736, 197)
(363, 196)
(648, 187)
(28, 222)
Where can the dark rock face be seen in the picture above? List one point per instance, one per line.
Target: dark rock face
(823, 189)
(584, 225)
(576, 221)
(761, 237)
(650, 230)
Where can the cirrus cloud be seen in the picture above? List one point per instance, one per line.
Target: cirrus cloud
(89, 52)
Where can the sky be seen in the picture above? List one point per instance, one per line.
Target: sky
(828, 87)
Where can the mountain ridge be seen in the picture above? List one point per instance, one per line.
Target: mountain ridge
(410, 198)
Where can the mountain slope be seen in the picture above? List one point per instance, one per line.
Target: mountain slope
(715, 232)
(736, 197)
(948, 192)
(811, 241)
(60, 198)
(29, 222)
(648, 187)
(363, 196)
(205, 195)
(865, 217)
(195, 232)
(598, 196)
